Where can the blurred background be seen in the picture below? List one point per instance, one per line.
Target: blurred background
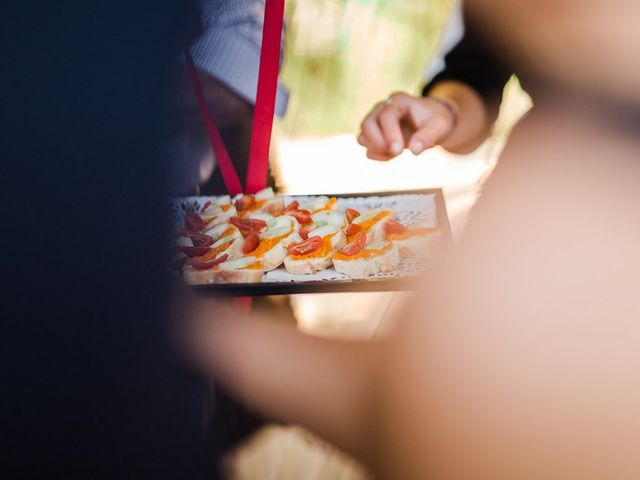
(343, 56)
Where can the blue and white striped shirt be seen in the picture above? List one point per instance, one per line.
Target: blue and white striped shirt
(229, 46)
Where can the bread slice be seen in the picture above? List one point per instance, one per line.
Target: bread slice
(373, 223)
(416, 240)
(265, 202)
(223, 230)
(216, 214)
(329, 217)
(333, 239)
(379, 257)
(244, 270)
(281, 233)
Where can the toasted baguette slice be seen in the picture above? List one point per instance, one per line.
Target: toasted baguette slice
(329, 217)
(216, 214)
(381, 257)
(265, 202)
(315, 204)
(333, 239)
(235, 271)
(373, 223)
(281, 233)
(223, 230)
(415, 241)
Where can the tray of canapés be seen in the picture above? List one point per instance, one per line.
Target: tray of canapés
(269, 243)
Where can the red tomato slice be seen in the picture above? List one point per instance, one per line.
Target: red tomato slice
(351, 214)
(245, 202)
(304, 232)
(201, 240)
(394, 227)
(250, 243)
(206, 205)
(193, 222)
(309, 245)
(194, 251)
(247, 226)
(302, 216)
(356, 245)
(353, 229)
(292, 206)
(200, 265)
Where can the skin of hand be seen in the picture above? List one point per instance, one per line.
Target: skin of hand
(406, 121)
(419, 123)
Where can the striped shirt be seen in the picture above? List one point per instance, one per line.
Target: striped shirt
(229, 46)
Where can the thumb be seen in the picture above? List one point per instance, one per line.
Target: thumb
(431, 130)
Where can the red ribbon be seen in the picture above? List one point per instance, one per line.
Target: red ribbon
(229, 174)
(258, 167)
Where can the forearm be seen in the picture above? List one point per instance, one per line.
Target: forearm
(474, 117)
(324, 385)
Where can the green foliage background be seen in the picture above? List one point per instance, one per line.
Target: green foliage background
(342, 56)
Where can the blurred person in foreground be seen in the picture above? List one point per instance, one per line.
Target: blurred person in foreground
(91, 383)
(519, 358)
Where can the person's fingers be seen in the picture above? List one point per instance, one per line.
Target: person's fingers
(371, 136)
(389, 121)
(379, 156)
(433, 125)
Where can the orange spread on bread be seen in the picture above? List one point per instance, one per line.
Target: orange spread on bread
(329, 205)
(255, 266)
(226, 208)
(415, 232)
(267, 244)
(259, 204)
(363, 254)
(227, 232)
(256, 205)
(323, 250)
(367, 224)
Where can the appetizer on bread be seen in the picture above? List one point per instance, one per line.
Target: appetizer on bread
(238, 240)
(412, 240)
(265, 201)
(359, 260)
(316, 252)
(373, 222)
(222, 270)
(271, 246)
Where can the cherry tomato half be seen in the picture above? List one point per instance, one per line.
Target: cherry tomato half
(193, 222)
(393, 226)
(292, 206)
(304, 248)
(206, 265)
(250, 243)
(201, 240)
(350, 213)
(356, 245)
(353, 229)
(245, 202)
(302, 216)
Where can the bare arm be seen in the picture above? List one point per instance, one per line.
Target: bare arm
(325, 385)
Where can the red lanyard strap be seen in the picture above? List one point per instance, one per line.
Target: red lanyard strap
(258, 167)
(229, 174)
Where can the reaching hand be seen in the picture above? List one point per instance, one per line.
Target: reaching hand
(406, 121)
